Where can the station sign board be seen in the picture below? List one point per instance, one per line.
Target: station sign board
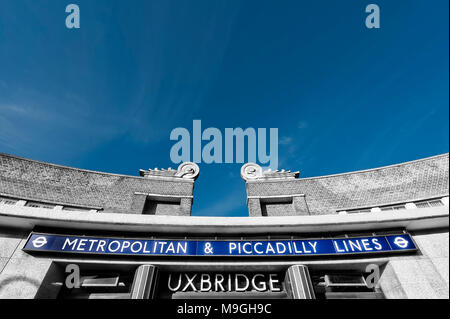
(40, 242)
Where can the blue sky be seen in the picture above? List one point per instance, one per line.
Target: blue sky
(106, 96)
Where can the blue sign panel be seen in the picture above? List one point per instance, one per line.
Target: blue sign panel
(163, 247)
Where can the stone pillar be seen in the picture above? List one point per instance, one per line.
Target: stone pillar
(185, 206)
(300, 206)
(254, 207)
(144, 282)
(138, 203)
(52, 283)
(24, 275)
(413, 278)
(390, 284)
(298, 282)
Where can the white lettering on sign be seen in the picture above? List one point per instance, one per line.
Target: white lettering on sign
(116, 246)
(356, 245)
(345, 245)
(223, 282)
(262, 284)
(70, 243)
(272, 248)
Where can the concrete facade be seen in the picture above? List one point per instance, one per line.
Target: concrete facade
(280, 206)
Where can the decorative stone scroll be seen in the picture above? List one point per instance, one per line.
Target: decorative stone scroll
(186, 170)
(252, 171)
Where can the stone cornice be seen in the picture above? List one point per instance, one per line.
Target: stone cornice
(27, 218)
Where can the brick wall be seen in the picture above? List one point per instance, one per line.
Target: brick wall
(421, 179)
(32, 180)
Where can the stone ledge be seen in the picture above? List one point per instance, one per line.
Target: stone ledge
(413, 220)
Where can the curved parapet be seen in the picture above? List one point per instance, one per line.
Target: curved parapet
(395, 186)
(39, 184)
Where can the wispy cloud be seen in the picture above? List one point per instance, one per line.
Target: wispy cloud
(285, 140)
(35, 123)
(302, 124)
(171, 87)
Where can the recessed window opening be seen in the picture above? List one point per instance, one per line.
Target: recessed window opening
(8, 201)
(158, 205)
(278, 206)
(393, 207)
(40, 205)
(429, 203)
(76, 209)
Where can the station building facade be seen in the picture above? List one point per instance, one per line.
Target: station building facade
(73, 233)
